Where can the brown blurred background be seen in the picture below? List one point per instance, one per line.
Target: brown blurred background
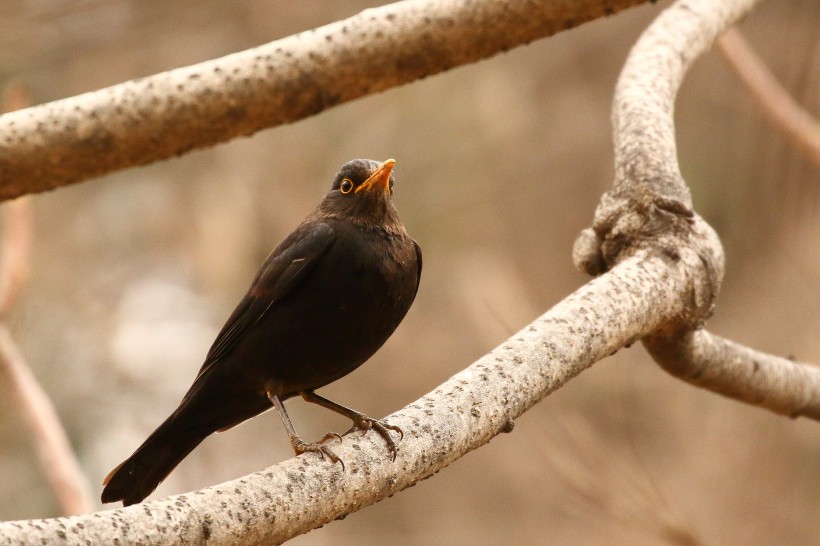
(500, 164)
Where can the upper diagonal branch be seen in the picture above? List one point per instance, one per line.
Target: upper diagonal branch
(662, 279)
(167, 114)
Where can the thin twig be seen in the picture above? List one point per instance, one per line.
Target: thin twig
(783, 111)
(54, 451)
(16, 247)
(17, 223)
(57, 458)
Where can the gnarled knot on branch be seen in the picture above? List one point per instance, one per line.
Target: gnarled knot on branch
(647, 217)
(655, 225)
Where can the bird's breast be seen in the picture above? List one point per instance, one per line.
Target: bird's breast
(345, 309)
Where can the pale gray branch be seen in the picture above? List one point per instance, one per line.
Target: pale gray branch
(467, 411)
(660, 268)
(168, 114)
(650, 206)
(643, 106)
(709, 361)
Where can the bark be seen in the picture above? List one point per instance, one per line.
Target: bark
(658, 267)
(779, 384)
(167, 114)
(649, 206)
(460, 415)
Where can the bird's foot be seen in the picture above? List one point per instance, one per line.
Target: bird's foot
(320, 447)
(364, 423)
(330, 436)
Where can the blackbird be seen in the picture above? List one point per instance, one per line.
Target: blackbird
(326, 298)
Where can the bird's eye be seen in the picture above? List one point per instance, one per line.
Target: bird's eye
(346, 186)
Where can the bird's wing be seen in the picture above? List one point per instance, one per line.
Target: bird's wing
(288, 264)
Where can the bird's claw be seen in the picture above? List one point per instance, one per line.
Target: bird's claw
(364, 423)
(300, 446)
(330, 436)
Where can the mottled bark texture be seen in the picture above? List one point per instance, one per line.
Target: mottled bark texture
(168, 114)
(782, 385)
(659, 268)
(467, 411)
(649, 208)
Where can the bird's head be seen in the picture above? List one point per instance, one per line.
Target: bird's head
(362, 194)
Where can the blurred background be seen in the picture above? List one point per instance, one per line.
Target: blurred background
(500, 164)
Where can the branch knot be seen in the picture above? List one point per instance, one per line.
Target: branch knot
(660, 226)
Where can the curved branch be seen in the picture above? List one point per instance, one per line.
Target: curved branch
(649, 206)
(467, 411)
(168, 114)
(644, 103)
(664, 268)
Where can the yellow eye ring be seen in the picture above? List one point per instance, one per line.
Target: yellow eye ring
(346, 186)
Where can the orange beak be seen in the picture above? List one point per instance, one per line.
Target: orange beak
(380, 177)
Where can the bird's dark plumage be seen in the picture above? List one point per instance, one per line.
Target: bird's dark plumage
(326, 298)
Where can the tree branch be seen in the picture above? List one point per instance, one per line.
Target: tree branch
(659, 268)
(782, 110)
(57, 459)
(650, 204)
(709, 361)
(460, 415)
(17, 223)
(168, 114)
(53, 449)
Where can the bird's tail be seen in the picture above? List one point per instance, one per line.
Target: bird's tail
(141, 473)
(210, 405)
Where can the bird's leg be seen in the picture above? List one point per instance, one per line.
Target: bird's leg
(299, 445)
(360, 420)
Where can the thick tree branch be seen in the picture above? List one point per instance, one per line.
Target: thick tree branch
(467, 411)
(167, 114)
(650, 206)
(659, 268)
